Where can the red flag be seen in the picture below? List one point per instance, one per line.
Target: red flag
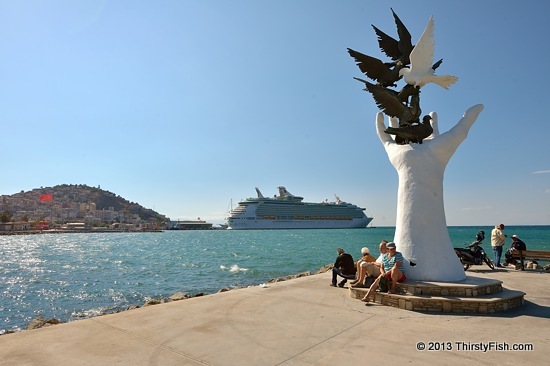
(46, 197)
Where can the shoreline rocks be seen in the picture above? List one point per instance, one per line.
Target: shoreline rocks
(41, 322)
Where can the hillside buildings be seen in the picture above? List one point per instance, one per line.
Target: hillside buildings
(71, 204)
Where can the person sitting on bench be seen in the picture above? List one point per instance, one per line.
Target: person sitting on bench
(517, 244)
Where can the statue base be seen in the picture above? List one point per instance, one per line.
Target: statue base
(475, 295)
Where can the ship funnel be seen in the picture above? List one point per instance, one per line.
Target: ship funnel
(284, 193)
(260, 195)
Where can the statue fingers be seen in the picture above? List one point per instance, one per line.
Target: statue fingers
(435, 124)
(469, 117)
(446, 144)
(394, 122)
(473, 112)
(381, 127)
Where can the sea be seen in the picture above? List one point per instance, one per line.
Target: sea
(81, 275)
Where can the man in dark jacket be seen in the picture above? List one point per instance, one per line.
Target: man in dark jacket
(517, 244)
(343, 267)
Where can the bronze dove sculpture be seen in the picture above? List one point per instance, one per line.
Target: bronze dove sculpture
(398, 51)
(384, 73)
(397, 104)
(415, 133)
(413, 63)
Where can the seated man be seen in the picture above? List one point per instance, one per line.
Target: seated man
(344, 266)
(517, 244)
(391, 268)
(365, 268)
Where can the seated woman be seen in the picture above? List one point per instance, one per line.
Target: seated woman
(367, 268)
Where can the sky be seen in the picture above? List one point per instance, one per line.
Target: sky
(186, 106)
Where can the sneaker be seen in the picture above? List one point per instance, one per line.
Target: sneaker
(341, 285)
(333, 284)
(353, 282)
(358, 285)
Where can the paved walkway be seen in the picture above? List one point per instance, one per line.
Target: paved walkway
(298, 322)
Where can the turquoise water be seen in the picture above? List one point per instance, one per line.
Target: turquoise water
(75, 276)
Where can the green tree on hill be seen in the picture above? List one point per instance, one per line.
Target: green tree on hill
(6, 216)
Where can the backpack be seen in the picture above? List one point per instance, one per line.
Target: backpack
(383, 284)
(369, 281)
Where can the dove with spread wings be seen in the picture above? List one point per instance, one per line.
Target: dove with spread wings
(385, 74)
(421, 71)
(395, 104)
(398, 51)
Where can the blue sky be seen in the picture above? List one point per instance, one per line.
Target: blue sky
(183, 106)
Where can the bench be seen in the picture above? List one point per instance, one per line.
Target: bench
(539, 255)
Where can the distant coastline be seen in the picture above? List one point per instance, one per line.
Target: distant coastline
(105, 230)
(54, 231)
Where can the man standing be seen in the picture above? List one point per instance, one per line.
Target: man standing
(497, 241)
(344, 266)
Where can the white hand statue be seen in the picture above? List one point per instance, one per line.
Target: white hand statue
(421, 229)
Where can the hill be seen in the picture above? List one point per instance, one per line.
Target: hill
(72, 198)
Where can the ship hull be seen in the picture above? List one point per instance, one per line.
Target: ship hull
(241, 224)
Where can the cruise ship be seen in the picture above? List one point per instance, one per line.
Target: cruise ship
(287, 211)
